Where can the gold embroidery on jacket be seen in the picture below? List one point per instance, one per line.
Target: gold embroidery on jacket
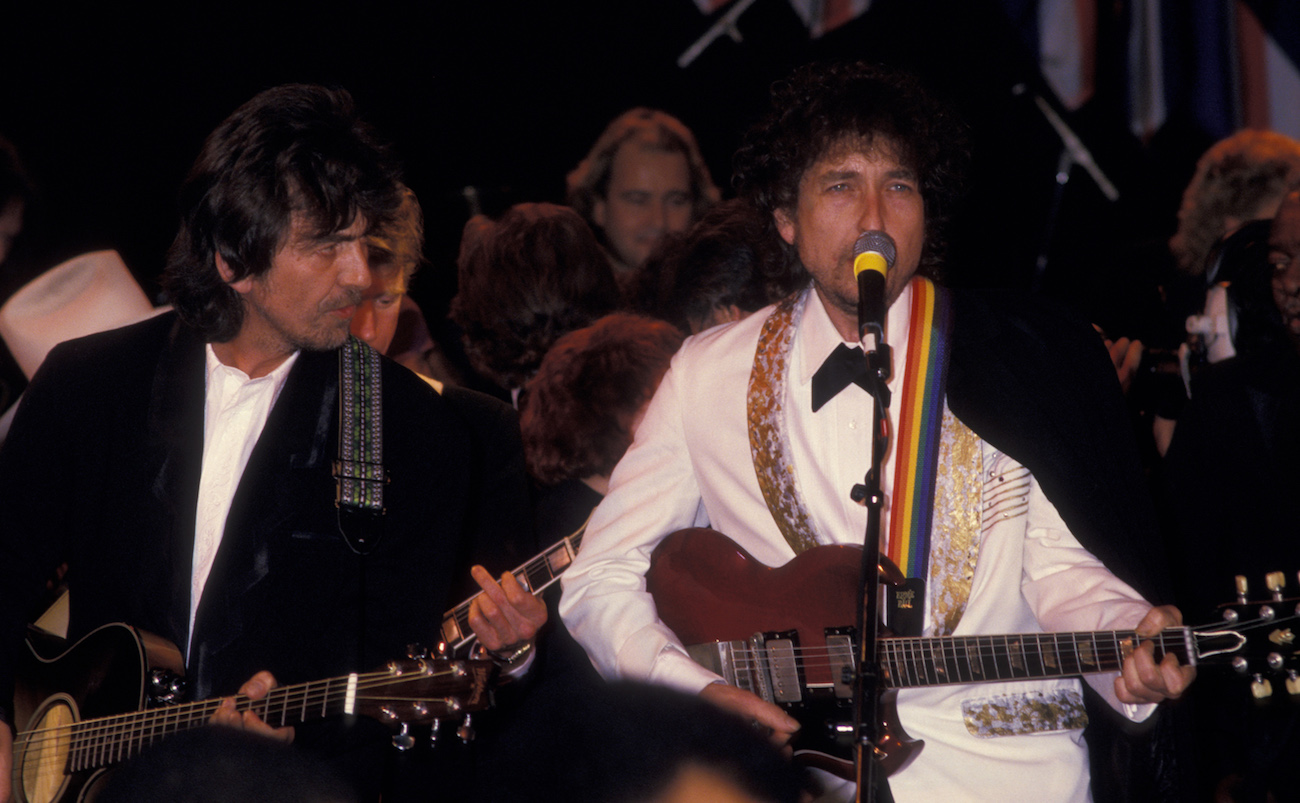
(1030, 712)
(765, 409)
(955, 540)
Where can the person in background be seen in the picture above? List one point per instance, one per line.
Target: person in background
(15, 194)
(721, 270)
(524, 281)
(636, 743)
(387, 318)
(643, 178)
(582, 409)
(1231, 477)
(15, 197)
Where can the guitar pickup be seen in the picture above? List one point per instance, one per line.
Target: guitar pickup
(839, 650)
(782, 666)
(766, 664)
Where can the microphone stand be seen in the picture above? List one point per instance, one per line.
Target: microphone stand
(866, 685)
(1073, 152)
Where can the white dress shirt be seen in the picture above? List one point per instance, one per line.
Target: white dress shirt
(234, 413)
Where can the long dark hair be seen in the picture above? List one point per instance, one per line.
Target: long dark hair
(292, 149)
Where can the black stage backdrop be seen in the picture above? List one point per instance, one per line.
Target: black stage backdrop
(493, 102)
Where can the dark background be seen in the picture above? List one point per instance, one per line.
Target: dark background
(109, 107)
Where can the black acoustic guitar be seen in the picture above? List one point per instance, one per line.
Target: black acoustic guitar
(111, 694)
(784, 634)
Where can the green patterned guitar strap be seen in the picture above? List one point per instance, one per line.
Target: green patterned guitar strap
(359, 470)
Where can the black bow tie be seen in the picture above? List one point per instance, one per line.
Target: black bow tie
(843, 366)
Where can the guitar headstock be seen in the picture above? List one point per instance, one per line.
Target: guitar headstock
(422, 690)
(1268, 654)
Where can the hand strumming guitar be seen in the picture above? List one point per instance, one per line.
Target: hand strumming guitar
(1142, 680)
(749, 706)
(255, 688)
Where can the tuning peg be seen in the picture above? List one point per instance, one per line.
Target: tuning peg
(1243, 587)
(417, 652)
(435, 727)
(466, 730)
(443, 649)
(1260, 687)
(1292, 683)
(1275, 582)
(403, 740)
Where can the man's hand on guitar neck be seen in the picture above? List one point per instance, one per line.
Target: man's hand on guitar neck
(255, 688)
(1142, 680)
(506, 616)
(751, 707)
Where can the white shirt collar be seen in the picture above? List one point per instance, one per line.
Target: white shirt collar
(817, 336)
(216, 368)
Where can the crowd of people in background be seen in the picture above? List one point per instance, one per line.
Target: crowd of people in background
(565, 322)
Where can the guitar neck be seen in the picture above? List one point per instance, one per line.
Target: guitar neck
(107, 740)
(932, 661)
(536, 575)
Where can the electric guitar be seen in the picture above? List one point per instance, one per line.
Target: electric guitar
(766, 630)
(89, 708)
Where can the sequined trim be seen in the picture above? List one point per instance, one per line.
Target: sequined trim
(955, 539)
(1031, 712)
(765, 410)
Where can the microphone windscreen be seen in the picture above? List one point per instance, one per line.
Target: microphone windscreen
(873, 243)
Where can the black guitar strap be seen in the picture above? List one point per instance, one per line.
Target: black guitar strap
(359, 470)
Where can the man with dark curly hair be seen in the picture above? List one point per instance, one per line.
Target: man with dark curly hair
(1007, 503)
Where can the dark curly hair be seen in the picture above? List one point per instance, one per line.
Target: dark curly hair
(295, 148)
(524, 281)
(821, 106)
(578, 410)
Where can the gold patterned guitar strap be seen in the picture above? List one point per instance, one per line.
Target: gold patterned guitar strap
(765, 411)
(359, 470)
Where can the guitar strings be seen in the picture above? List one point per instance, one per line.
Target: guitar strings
(118, 731)
(1017, 651)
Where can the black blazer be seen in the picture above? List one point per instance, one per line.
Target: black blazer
(101, 470)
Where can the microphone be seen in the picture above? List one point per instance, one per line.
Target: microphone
(873, 255)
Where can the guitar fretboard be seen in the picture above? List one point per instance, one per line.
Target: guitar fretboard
(104, 741)
(537, 575)
(931, 661)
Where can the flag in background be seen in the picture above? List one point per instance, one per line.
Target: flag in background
(819, 16)
(824, 16)
(1066, 36)
(1228, 64)
(1268, 40)
(1144, 57)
